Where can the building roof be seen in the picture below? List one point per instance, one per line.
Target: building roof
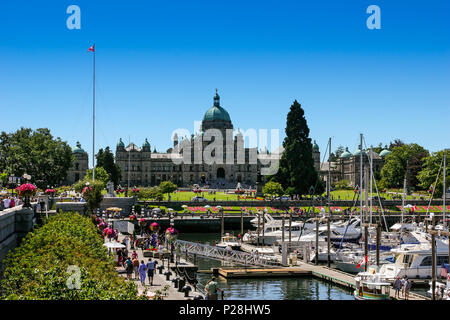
(384, 153)
(216, 112)
(146, 144)
(78, 148)
(132, 146)
(346, 154)
(315, 146)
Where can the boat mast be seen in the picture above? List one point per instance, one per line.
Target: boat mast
(93, 121)
(360, 180)
(404, 190)
(129, 155)
(371, 177)
(329, 174)
(444, 189)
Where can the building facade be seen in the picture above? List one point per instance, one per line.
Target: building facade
(142, 167)
(79, 166)
(348, 165)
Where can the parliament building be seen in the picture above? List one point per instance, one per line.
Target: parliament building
(142, 167)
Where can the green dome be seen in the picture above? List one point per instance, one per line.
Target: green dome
(315, 146)
(357, 152)
(384, 153)
(216, 112)
(146, 144)
(346, 154)
(120, 143)
(78, 148)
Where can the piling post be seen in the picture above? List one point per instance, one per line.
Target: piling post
(328, 242)
(258, 230)
(366, 246)
(378, 242)
(263, 226)
(242, 222)
(317, 241)
(282, 228)
(223, 223)
(433, 261)
(290, 228)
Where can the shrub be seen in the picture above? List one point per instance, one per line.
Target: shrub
(39, 267)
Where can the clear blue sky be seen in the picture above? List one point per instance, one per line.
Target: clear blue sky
(159, 62)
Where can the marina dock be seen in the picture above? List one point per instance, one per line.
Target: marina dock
(304, 269)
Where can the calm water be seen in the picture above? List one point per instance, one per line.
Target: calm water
(274, 289)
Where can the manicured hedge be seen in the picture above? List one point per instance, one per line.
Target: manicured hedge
(38, 267)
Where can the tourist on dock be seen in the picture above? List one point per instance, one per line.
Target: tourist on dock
(397, 287)
(135, 262)
(134, 255)
(129, 268)
(407, 287)
(142, 272)
(150, 270)
(211, 289)
(126, 240)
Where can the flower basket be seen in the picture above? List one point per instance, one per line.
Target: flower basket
(154, 227)
(26, 190)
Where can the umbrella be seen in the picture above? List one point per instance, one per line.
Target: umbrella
(408, 206)
(207, 206)
(169, 209)
(114, 209)
(184, 206)
(113, 245)
(156, 210)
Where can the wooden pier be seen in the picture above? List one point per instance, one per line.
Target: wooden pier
(262, 273)
(305, 269)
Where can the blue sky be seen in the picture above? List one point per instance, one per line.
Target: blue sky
(159, 62)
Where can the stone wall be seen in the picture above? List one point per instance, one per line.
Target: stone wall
(126, 204)
(15, 224)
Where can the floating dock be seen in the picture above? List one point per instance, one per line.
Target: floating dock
(262, 273)
(304, 269)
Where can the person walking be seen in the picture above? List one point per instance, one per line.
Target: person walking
(211, 289)
(150, 270)
(135, 267)
(397, 287)
(407, 287)
(134, 255)
(142, 272)
(128, 268)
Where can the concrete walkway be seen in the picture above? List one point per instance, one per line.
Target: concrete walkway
(159, 280)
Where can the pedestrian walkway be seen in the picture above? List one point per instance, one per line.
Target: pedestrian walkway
(159, 280)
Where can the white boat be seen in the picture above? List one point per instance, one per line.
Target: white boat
(371, 286)
(229, 241)
(414, 260)
(442, 290)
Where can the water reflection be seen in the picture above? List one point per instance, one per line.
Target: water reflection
(304, 288)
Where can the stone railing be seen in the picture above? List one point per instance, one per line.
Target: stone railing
(15, 224)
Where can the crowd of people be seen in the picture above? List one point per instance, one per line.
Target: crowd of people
(402, 286)
(9, 202)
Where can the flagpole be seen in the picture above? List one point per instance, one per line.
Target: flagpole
(93, 123)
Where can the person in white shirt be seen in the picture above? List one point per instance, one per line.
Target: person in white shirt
(6, 202)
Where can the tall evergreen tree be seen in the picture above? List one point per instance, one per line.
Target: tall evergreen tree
(105, 159)
(297, 173)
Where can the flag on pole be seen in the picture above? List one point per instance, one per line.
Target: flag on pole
(92, 48)
(363, 261)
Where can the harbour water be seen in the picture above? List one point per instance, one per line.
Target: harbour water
(305, 288)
